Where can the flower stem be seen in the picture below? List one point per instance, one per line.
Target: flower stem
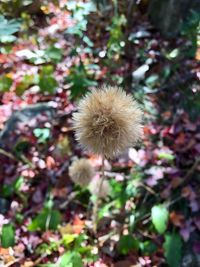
(96, 204)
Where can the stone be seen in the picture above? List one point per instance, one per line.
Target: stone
(24, 116)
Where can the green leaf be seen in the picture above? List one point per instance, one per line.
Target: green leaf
(36, 57)
(88, 41)
(9, 189)
(70, 259)
(148, 247)
(48, 84)
(25, 83)
(54, 54)
(18, 183)
(104, 211)
(8, 27)
(7, 236)
(68, 239)
(47, 70)
(173, 249)
(7, 39)
(42, 134)
(159, 215)
(166, 156)
(128, 243)
(47, 219)
(51, 54)
(48, 248)
(79, 80)
(173, 54)
(152, 80)
(5, 83)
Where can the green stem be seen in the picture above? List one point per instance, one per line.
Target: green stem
(96, 204)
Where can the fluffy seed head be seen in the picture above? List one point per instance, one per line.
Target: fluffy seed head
(81, 172)
(108, 121)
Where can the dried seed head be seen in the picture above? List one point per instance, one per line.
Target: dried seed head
(108, 121)
(81, 172)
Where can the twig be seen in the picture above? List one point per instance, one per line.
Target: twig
(70, 198)
(11, 263)
(146, 235)
(7, 154)
(38, 261)
(173, 201)
(149, 189)
(25, 160)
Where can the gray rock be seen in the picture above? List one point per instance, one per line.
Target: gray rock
(24, 115)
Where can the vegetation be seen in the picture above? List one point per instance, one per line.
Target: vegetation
(64, 206)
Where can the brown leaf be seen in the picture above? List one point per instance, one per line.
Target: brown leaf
(180, 140)
(176, 182)
(187, 192)
(176, 219)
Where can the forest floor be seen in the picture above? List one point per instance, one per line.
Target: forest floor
(153, 206)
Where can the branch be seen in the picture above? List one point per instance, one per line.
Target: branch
(7, 154)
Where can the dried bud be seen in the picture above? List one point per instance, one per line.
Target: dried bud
(81, 172)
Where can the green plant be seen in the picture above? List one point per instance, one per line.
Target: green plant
(10, 6)
(47, 82)
(116, 41)
(8, 28)
(7, 236)
(5, 83)
(160, 216)
(80, 11)
(79, 80)
(42, 134)
(9, 190)
(191, 30)
(51, 54)
(173, 249)
(48, 218)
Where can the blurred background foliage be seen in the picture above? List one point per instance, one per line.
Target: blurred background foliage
(52, 53)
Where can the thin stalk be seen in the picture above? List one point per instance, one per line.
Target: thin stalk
(115, 7)
(96, 204)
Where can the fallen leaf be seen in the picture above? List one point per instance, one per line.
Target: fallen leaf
(28, 264)
(176, 219)
(78, 225)
(180, 140)
(66, 229)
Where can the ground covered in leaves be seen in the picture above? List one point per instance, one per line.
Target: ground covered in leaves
(150, 216)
